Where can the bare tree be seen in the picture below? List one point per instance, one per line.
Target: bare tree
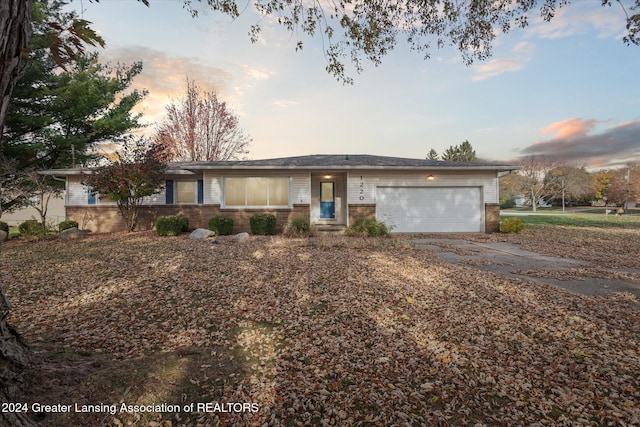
(533, 183)
(201, 128)
(33, 189)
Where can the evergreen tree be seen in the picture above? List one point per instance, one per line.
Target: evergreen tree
(460, 153)
(432, 155)
(56, 117)
(466, 153)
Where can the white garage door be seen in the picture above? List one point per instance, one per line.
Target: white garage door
(432, 209)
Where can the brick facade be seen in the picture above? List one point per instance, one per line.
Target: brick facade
(357, 211)
(491, 218)
(106, 219)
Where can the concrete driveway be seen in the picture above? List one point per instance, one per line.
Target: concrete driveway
(510, 260)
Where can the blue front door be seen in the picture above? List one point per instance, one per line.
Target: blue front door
(327, 200)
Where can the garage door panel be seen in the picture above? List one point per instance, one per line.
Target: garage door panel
(430, 209)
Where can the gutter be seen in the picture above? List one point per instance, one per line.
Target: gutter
(193, 169)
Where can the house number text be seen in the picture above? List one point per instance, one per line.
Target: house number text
(361, 188)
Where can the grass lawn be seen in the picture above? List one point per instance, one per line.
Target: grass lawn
(332, 331)
(581, 219)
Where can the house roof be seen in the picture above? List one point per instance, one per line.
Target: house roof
(339, 161)
(320, 162)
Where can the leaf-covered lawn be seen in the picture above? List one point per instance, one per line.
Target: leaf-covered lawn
(331, 331)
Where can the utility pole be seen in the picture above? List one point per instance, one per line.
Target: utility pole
(562, 195)
(626, 200)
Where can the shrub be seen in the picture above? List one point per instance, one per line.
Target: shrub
(298, 227)
(222, 225)
(367, 228)
(508, 204)
(31, 227)
(185, 222)
(64, 225)
(171, 225)
(263, 224)
(512, 225)
(4, 226)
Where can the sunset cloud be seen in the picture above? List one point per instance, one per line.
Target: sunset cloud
(575, 141)
(164, 77)
(580, 19)
(284, 103)
(522, 53)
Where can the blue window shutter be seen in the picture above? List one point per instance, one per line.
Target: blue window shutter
(200, 191)
(91, 197)
(168, 185)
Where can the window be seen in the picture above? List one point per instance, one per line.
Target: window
(185, 191)
(91, 196)
(178, 192)
(256, 191)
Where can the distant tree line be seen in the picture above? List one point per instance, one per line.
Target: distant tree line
(543, 180)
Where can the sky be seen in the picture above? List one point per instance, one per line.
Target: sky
(567, 89)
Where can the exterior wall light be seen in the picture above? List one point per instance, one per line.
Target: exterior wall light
(430, 178)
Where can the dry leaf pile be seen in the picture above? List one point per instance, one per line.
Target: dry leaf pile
(605, 247)
(331, 331)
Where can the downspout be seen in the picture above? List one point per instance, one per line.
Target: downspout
(66, 193)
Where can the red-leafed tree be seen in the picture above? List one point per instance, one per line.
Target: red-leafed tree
(136, 174)
(200, 127)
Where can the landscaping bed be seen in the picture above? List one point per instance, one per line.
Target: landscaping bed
(333, 331)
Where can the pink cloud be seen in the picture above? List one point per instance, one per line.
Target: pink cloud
(580, 18)
(570, 128)
(164, 77)
(576, 141)
(522, 53)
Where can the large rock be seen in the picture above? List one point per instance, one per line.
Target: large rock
(240, 237)
(4, 236)
(72, 233)
(201, 233)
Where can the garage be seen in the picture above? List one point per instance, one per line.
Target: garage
(430, 209)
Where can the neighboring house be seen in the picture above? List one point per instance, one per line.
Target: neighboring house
(410, 195)
(55, 212)
(521, 200)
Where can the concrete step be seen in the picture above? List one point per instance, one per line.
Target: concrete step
(333, 229)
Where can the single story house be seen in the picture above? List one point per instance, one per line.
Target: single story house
(55, 212)
(410, 195)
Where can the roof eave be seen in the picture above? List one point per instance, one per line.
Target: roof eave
(354, 167)
(190, 170)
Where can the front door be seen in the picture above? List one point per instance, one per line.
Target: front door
(327, 200)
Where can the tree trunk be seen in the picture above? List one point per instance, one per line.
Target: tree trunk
(534, 202)
(15, 34)
(14, 356)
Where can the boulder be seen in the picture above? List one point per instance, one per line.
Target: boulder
(4, 236)
(240, 237)
(201, 233)
(72, 233)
